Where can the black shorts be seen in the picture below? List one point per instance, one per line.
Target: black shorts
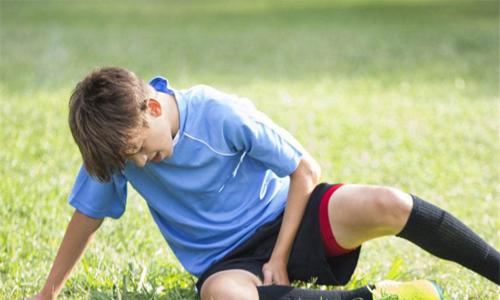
(307, 260)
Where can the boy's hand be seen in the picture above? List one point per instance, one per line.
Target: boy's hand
(302, 182)
(275, 272)
(39, 297)
(78, 234)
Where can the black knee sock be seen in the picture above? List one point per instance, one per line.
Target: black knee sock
(443, 235)
(283, 292)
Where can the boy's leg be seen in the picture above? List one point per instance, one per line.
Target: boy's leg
(358, 213)
(243, 285)
(231, 284)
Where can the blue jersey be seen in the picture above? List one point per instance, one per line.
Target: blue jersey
(227, 176)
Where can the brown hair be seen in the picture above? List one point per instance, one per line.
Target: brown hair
(105, 110)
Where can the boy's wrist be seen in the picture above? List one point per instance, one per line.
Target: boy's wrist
(47, 294)
(279, 257)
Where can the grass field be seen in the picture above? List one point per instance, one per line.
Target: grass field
(402, 93)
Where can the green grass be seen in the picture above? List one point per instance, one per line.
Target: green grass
(401, 93)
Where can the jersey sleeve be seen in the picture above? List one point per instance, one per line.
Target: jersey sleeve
(97, 199)
(249, 130)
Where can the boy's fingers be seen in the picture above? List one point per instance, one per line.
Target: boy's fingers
(268, 277)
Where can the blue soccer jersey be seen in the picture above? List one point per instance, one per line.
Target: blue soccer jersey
(227, 176)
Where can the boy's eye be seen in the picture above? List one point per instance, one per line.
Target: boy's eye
(139, 150)
(135, 151)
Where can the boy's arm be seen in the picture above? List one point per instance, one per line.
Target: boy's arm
(302, 182)
(78, 234)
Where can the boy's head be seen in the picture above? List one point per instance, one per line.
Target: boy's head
(107, 111)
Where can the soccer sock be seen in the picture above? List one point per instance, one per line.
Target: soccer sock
(284, 292)
(443, 235)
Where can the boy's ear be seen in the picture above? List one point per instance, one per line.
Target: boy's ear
(154, 107)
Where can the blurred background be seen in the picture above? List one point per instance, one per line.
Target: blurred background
(402, 93)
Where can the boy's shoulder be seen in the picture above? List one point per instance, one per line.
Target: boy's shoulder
(212, 103)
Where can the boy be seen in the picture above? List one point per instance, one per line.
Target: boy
(236, 197)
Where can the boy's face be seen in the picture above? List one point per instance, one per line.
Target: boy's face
(154, 142)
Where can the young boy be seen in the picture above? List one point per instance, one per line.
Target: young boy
(236, 197)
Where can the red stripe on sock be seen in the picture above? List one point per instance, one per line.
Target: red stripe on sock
(332, 247)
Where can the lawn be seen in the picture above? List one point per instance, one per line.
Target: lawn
(402, 93)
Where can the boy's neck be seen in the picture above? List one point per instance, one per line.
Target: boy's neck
(172, 113)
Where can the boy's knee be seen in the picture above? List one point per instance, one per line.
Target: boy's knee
(222, 287)
(391, 205)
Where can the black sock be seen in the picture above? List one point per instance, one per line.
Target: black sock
(284, 292)
(443, 235)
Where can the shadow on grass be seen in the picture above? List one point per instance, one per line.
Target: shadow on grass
(173, 294)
